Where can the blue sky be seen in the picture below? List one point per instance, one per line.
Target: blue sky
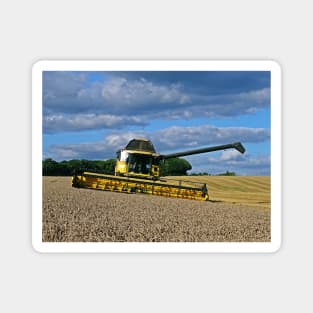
(91, 115)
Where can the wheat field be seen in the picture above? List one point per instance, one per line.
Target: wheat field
(237, 213)
(253, 191)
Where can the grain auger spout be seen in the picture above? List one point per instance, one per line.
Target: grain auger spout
(237, 145)
(137, 170)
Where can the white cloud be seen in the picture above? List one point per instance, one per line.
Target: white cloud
(71, 95)
(232, 161)
(80, 122)
(168, 140)
(231, 155)
(134, 92)
(175, 137)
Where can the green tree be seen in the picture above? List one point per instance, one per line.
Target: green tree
(175, 167)
(49, 167)
(109, 166)
(227, 173)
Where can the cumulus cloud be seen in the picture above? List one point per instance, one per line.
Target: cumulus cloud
(141, 92)
(206, 82)
(80, 122)
(70, 95)
(232, 161)
(62, 83)
(231, 156)
(165, 140)
(104, 149)
(175, 136)
(114, 95)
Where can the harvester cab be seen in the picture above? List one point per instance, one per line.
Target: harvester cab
(138, 159)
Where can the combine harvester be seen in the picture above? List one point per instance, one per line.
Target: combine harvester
(137, 170)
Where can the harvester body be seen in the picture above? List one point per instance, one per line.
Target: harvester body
(137, 170)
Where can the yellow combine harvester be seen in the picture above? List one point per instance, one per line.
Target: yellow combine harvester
(137, 170)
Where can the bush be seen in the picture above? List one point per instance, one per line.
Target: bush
(175, 167)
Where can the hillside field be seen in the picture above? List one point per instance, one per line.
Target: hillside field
(253, 191)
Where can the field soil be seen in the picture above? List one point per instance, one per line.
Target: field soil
(241, 214)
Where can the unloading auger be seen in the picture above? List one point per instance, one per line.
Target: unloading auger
(137, 170)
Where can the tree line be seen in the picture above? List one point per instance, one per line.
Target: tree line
(227, 173)
(50, 167)
(170, 167)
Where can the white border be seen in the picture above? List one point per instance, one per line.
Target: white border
(159, 65)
